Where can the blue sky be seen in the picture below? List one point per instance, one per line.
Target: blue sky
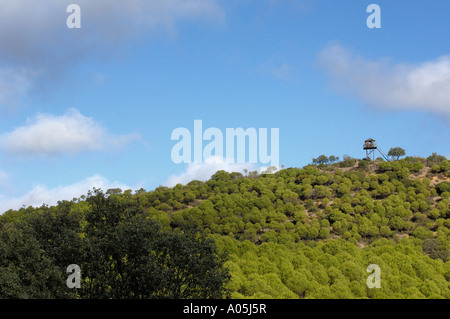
(96, 106)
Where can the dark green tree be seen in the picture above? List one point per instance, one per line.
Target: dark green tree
(435, 159)
(443, 187)
(57, 231)
(128, 256)
(396, 152)
(333, 159)
(25, 270)
(322, 159)
(435, 249)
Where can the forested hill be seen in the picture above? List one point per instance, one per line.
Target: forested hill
(306, 232)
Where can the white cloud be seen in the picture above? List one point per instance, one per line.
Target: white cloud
(423, 86)
(40, 194)
(71, 133)
(37, 47)
(204, 171)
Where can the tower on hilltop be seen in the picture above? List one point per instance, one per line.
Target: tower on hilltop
(370, 147)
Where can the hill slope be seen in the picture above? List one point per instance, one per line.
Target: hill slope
(312, 232)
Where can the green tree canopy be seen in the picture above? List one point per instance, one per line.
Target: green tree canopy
(396, 152)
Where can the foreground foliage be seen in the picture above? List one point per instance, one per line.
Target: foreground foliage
(121, 253)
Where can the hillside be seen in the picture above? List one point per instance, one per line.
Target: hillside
(306, 232)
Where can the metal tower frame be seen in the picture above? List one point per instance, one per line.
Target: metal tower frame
(370, 146)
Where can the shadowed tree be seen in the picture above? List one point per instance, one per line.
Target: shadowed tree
(25, 270)
(128, 256)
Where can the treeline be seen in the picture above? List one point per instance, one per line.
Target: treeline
(304, 232)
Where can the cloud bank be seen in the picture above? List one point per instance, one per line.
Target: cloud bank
(40, 194)
(423, 86)
(36, 46)
(71, 133)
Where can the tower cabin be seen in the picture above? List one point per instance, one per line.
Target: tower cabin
(369, 144)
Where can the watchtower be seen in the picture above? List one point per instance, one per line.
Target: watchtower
(370, 147)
